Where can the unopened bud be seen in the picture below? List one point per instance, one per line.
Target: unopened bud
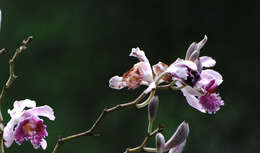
(159, 143)
(179, 148)
(190, 50)
(178, 137)
(153, 108)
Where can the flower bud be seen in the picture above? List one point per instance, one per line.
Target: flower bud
(179, 148)
(159, 143)
(178, 137)
(153, 108)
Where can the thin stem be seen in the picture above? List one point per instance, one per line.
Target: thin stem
(90, 132)
(147, 101)
(144, 143)
(148, 149)
(159, 77)
(150, 126)
(2, 51)
(10, 81)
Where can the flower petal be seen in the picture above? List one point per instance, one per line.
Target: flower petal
(208, 75)
(19, 107)
(159, 68)
(116, 82)
(43, 144)
(45, 111)
(192, 101)
(178, 149)
(136, 52)
(207, 61)
(8, 134)
(190, 50)
(180, 68)
(145, 71)
(193, 51)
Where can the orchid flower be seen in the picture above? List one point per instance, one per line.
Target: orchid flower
(176, 143)
(206, 100)
(199, 85)
(140, 74)
(25, 124)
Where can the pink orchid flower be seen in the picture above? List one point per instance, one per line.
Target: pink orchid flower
(200, 85)
(176, 143)
(140, 74)
(26, 124)
(202, 95)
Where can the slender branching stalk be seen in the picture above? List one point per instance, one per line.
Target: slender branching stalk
(146, 139)
(135, 104)
(9, 82)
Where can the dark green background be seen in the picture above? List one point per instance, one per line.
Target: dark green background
(79, 45)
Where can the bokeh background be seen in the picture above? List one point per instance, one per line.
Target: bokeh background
(79, 45)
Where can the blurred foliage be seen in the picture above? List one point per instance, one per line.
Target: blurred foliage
(79, 45)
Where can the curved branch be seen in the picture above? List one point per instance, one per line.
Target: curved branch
(141, 147)
(90, 132)
(9, 82)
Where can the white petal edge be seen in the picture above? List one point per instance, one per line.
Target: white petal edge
(45, 111)
(116, 83)
(151, 87)
(19, 106)
(8, 134)
(211, 74)
(43, 144)
(193, 101)
(136, 52)
(207, 61)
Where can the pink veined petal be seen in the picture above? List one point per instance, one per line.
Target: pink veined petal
(193, 101)
(212, 75)
(192, 91)
(178, 149)
(207, 61)
(19, 107)
(179, 68)
(190, 50)
(146, 71)
(8, 134)
(202, 43)
(43, 144)
(116, 82)
(136, 52)
(45, 111)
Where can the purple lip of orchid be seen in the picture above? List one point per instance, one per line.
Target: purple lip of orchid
(211, 102)
(192, 78)
(26, 124)
(32, 129)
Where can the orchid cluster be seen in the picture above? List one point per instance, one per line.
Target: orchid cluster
(190, 75)
(197, 85)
